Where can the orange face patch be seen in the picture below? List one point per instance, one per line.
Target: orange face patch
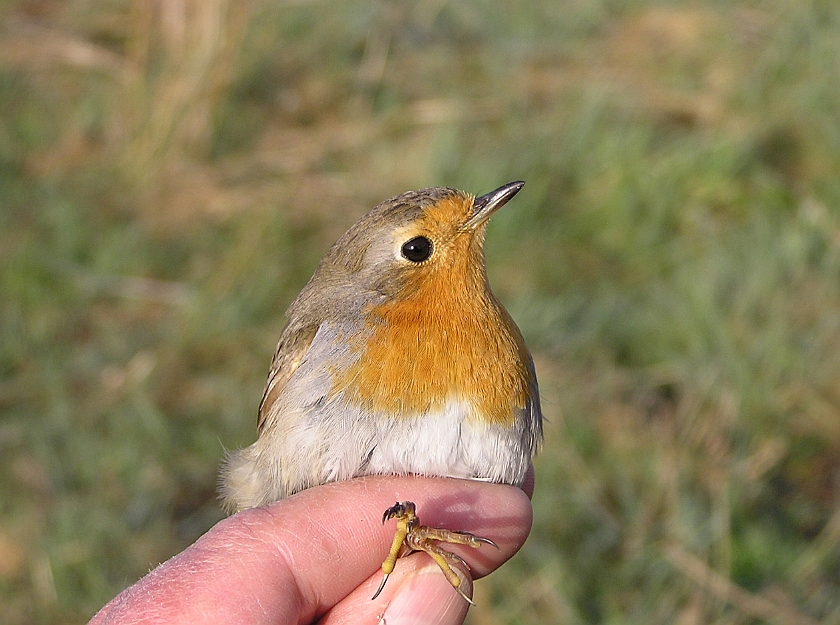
(445, 338)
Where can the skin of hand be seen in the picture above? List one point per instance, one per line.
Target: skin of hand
(316, 556)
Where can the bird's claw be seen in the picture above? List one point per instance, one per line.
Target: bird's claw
(423, 538)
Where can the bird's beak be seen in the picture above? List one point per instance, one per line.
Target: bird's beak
(489, 203)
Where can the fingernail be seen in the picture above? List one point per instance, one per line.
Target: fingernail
(426, 597)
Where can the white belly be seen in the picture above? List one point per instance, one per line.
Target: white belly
(449, 443)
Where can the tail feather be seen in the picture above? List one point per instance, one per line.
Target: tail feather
(240, 486)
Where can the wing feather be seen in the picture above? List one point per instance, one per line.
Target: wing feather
(291, 350)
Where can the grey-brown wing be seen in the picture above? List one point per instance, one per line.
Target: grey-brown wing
(535, 426)
(293, 345)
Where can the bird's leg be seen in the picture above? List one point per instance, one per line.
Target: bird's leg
(423, 538)
(407, 519)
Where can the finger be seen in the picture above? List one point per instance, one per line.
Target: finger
(417, 592)
(293, 560)
(497, 512)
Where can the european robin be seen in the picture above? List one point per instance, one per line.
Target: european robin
(397, 358)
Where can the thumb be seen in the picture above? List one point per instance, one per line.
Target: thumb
(319, 552)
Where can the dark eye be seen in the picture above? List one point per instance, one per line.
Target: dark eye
(417, 249)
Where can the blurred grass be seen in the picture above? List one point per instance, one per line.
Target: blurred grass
(171, 173)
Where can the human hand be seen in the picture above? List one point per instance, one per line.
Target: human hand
(316, 555)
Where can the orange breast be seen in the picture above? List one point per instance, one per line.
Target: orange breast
(447, 339)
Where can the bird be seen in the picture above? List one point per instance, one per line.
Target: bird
(397, 358)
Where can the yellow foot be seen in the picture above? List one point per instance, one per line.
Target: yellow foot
(418, 537)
